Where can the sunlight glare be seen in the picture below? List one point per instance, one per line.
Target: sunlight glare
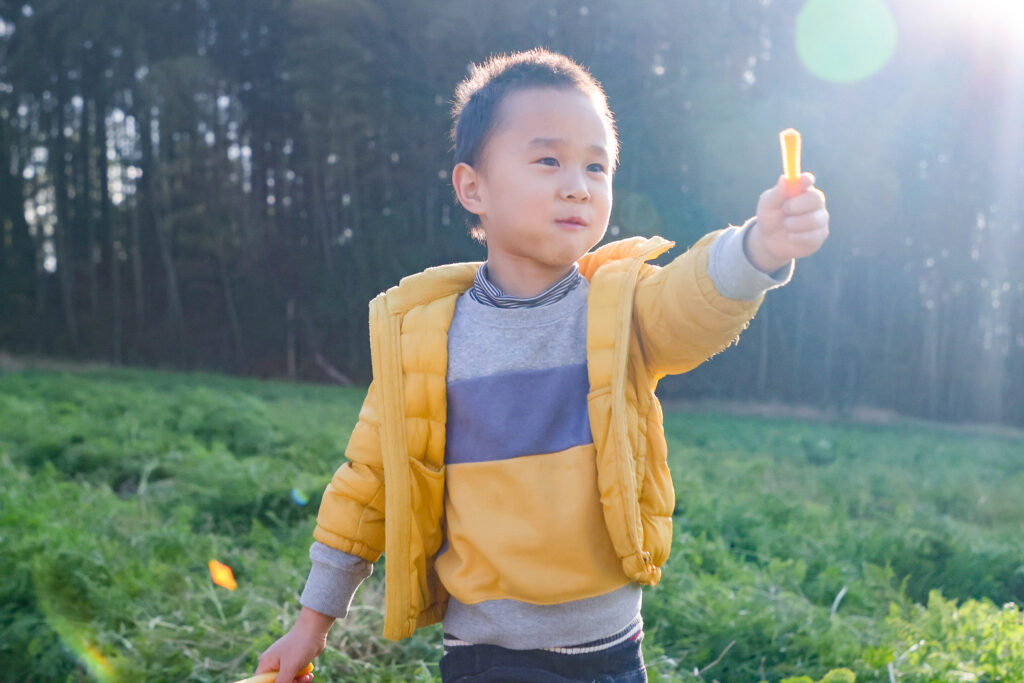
(993, 26)
(1008, 13)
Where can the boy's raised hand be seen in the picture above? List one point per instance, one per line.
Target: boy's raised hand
(792, 222)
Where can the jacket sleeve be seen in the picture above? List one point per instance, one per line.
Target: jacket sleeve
(681, 317)
(351, 517)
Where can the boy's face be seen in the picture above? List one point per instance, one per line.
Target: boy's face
(544, 181)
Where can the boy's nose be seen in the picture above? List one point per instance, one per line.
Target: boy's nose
(576, 192)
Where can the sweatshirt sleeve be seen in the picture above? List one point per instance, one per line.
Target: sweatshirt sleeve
(333, 580)
(732, 272)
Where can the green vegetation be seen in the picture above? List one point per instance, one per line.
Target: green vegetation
(805, 551)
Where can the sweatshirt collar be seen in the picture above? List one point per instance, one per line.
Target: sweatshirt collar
(484, 291)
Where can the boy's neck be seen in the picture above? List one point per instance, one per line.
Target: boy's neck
(522, 279)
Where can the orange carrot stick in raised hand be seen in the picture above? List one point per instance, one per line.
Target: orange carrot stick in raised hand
(790, 140)
(271, 675)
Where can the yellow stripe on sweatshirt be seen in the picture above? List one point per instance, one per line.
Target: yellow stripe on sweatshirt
(530, 529)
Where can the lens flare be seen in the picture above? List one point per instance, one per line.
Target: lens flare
(844, 41)
(96, 663)
(77, 639)
(76, 632)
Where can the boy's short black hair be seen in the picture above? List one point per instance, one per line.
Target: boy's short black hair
(477, 98)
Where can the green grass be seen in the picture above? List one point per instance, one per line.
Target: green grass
(800, 547)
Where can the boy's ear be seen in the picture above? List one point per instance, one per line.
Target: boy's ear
(467, 187)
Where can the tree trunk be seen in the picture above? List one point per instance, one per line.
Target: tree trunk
(832, 334)
(18, 261)
(65, 262)
(353, 186)
(930, 359)
(319, 208)
(86, 211)
(290, 342)
(175, 312)
(108, 233)
(137, 281)
(259, 143)
(155, 191)
(798, 391)
(762, 363)
(229, 304)
(430, 201)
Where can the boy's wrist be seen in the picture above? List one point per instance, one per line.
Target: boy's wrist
(313, 622)
(758, 253)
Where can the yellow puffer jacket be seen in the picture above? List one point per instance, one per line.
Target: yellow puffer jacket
(643, 322)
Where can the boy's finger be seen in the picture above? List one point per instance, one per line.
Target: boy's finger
(292, 673)
(795, 188)
(807, 222)
(813, 238)
(817, 232)
(811, 199)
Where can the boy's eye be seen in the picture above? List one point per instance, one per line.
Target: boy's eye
(596, 168)
(548, 161)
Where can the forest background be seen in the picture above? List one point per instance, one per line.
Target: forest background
(204, 184)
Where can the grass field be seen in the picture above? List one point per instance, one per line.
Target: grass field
(895, 552)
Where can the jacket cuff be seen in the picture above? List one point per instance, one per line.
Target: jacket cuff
(333, 580)
(735, 277)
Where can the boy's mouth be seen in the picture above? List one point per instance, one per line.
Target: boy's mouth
(572, 220)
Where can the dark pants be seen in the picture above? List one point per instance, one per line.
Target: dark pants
(623, 663)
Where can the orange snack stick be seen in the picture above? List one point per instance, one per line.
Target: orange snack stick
(222, 575)
(271, 675)
(790, 140)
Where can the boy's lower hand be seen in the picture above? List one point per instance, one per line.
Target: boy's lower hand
(788, 226)
(297, 648)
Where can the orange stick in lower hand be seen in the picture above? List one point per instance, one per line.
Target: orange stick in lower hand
(271, 675)
(790, 140)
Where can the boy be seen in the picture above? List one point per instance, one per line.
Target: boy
(511, 432)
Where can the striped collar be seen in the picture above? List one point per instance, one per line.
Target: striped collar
(487, 293)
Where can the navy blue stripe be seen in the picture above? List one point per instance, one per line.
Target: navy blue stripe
(631, 632)
(486, 292)
(517, 413)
